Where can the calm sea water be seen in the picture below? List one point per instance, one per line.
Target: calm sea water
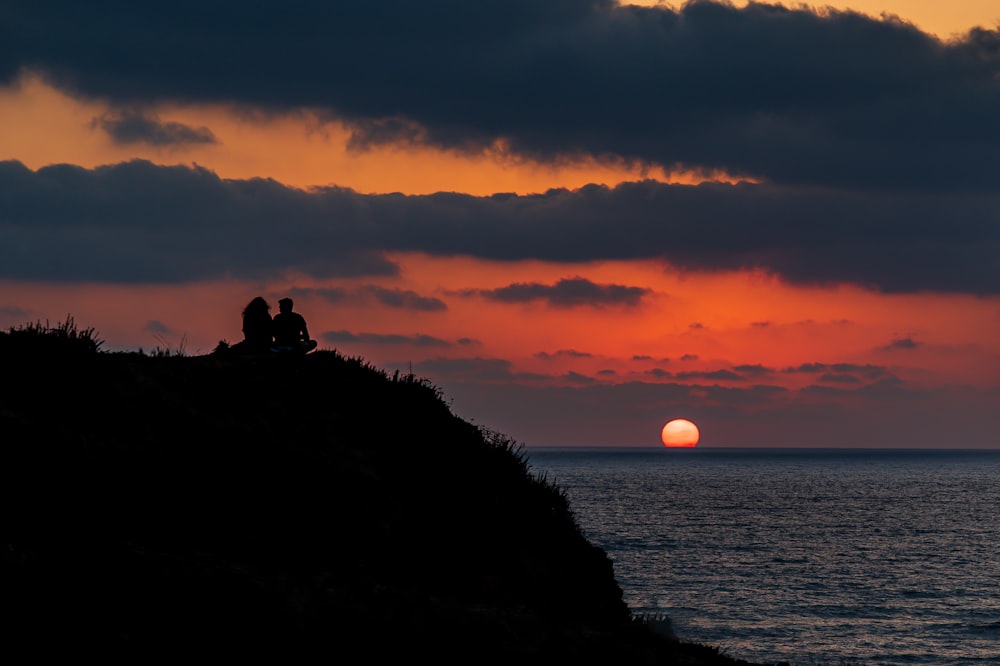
(813, 557)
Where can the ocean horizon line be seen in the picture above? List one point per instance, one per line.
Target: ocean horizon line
(696, 450)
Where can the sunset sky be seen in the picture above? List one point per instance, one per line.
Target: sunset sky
(579, 219)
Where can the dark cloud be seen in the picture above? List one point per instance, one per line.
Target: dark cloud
(577, 378)
(406, 299)
(419, 340)
(901, 343)
(157, 327)
(485, 369)
(785, 95)
(889, 387)
(129, 127)
(659, 373)
(647, 357)
(866, 369)
(330, 294)
(829, 370)
(753, 369)
(689, 357)
(137, 222)
(403, 299)
(567, 293)
(760, 324)
(476, 369)
(893, 387)
(711, 375)
(836, 378)
(13, 311)
(563, 353)
(808, 367)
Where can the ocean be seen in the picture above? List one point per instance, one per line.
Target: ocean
(815, 557)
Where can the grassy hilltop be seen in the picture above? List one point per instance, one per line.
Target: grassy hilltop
(165, 505)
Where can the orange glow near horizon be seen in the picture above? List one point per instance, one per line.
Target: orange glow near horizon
(686, 326)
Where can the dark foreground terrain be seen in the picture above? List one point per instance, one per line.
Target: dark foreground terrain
(286, 508)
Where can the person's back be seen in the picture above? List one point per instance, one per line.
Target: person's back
(290, 330)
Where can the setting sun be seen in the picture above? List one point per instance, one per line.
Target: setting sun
(680, 433)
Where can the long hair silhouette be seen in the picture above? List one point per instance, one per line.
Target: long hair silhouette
(257, 324)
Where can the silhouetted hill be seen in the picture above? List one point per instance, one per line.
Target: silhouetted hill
(170, 506)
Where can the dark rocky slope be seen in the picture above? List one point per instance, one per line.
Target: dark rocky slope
(164, 505)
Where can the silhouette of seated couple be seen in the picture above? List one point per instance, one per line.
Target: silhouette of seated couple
(285, 333)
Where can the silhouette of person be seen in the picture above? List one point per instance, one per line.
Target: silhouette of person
(290, 331)
(257, 326)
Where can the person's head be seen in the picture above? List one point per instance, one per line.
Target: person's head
(258, 304)
(285, 305)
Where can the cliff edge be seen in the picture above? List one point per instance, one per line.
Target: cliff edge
(162, 505)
